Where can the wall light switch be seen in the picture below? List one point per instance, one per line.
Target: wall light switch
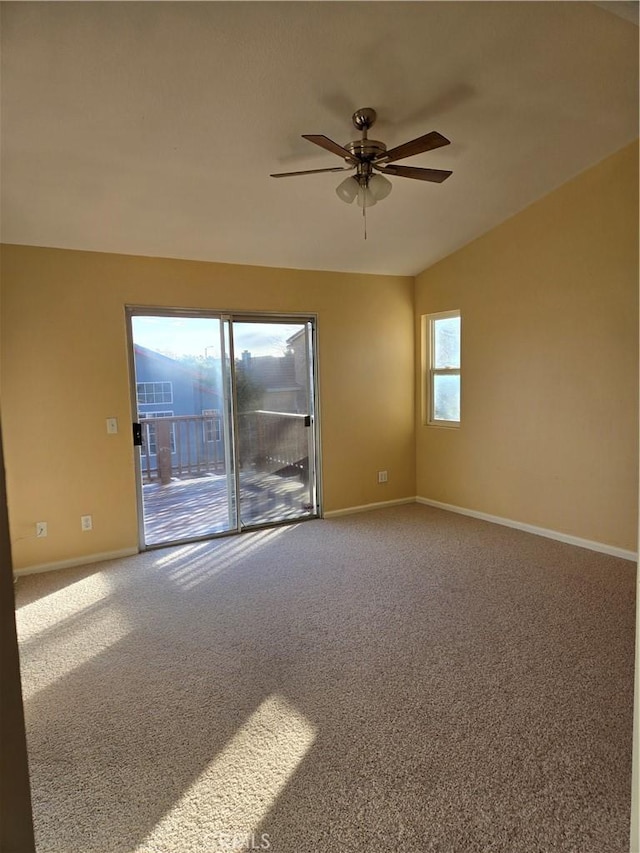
(112, 426)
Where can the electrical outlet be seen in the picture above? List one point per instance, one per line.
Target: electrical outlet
(41, 529)
(86, 522)
(382, 477)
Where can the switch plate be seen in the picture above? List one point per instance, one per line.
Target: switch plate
(86, 522)
(41, 529)
(382, 477)
(112, 426)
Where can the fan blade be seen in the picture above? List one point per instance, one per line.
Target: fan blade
(312, 172)
(330, 145)
(417, 146)
(435, 175)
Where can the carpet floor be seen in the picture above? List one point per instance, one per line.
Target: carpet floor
(403, 680)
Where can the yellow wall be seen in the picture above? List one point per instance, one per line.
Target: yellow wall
(549, 304)
(550, 373)
(64, 370)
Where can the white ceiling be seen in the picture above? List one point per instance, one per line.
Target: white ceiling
(151, 128)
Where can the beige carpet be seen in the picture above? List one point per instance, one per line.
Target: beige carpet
(400, 680)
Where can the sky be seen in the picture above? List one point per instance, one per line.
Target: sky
(175, 336)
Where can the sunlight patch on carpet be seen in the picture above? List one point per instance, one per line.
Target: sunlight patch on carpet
(238, 788)
(183, 552)
(55, 657)
(49, 611)
(188, 569)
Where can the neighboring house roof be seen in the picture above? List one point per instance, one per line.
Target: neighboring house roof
(190, 374)
(273, 373)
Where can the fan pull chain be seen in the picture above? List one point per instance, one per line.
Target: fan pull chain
(364, 219)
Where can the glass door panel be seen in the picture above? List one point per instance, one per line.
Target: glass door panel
(182, 401)
(274, 409)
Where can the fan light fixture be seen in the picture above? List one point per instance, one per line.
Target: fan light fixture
(367, 189)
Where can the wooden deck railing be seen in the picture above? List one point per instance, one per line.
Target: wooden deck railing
(276, 442)
(190, 445)
(181, 446)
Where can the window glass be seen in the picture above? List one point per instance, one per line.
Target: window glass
(442, 377)
(211, 425)
(446, 349)
(154, 392)
(446, 397)
(150, 431)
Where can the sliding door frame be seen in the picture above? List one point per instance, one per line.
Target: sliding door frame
(230, 317)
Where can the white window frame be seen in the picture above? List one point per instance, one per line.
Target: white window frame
(150, 416)
(211, 428)
(157, 391)
(432, 371)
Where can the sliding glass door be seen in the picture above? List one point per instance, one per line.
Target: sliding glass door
(225, 425)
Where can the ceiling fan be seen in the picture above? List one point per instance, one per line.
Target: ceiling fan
(372, 162)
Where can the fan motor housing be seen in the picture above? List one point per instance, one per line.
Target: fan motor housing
(366, 149)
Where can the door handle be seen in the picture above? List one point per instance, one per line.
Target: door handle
(307, 420)
(137, 435)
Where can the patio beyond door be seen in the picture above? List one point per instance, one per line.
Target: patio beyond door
(225, 422)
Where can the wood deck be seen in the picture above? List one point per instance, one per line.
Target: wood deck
(199, 507)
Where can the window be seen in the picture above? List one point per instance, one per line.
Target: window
(150, 431)
(443, 353)
(211, 426)
(154, 392)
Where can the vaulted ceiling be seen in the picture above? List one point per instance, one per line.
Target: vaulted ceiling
(152, 128)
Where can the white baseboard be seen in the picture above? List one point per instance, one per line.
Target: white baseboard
(350, 510)
(76, 561)
(601, 547)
